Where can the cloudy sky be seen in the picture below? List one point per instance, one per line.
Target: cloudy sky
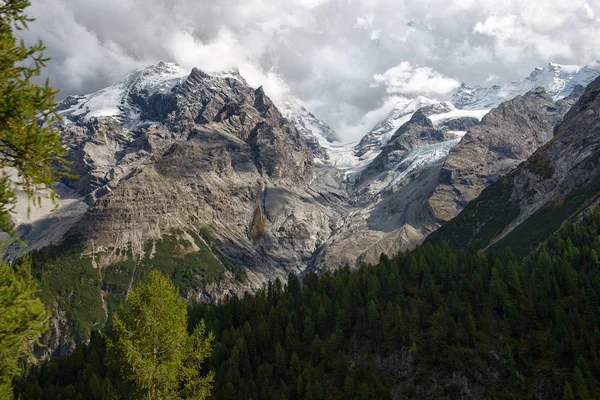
(347, 60)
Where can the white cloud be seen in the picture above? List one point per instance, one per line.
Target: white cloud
(354, 132)
(512, 38)
(343, 44)
(364, 22)
(404, 79)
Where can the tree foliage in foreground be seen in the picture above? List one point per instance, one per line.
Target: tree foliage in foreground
(22, 320)
(410, 327)
(30, 150)
(152, 343)
(30, 153)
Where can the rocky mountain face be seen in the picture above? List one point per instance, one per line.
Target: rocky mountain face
(317, 133)
(431, 167)
(389, 192)
(220, 154)
(418, 132)
(507, 136)
(233, 154)
(204, 171)
(381, 133)
(556, 184)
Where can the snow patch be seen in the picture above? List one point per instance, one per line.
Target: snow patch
(558, 81)
(115, 101)
(457, 113)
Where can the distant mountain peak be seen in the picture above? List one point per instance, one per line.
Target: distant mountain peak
(400, 114)
(557, 79)
(307, 122)
(122, 100)
(118, 101)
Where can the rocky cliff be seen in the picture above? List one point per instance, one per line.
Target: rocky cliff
(220, 153)
(507, 136)
(556, 184)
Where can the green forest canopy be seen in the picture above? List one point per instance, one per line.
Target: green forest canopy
(432, 323)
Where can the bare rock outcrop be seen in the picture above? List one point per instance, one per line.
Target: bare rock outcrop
(507, 136)
(556, 184)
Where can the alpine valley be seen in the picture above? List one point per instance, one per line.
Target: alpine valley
(208, 180)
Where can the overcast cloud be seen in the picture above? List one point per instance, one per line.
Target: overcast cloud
(347, 60)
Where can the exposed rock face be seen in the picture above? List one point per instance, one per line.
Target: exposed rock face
(460, 124)
(425, 175)
(102, 154)
(316, 132)
(390, 195)
(57, 339)
(380, 135)
(556, 184)
(221, 151)
(163, 152)
(417, 132)
(208, 151)
(507, 136)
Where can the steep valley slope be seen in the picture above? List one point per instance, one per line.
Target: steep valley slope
(553, 187)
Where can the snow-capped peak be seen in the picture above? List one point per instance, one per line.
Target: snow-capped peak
(400, 114)
(116, 101)
(307, 123)
(558, 81)
(120, 100)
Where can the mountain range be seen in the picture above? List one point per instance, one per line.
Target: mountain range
(177, 169)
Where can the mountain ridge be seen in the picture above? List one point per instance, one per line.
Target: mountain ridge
(115, 116)
(558, 81)
(554, 186)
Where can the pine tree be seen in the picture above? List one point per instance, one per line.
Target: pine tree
(295, 366)
(29, 154)
(152, 344)
(579, 385)
(567, 393)
(30, 150)
(22, 317)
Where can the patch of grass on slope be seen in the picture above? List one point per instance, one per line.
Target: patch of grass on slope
(482, 219)
(485, 218)
(238, 271)
(174, 257)
(71, 281)
(116, 279)
(539, 226)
